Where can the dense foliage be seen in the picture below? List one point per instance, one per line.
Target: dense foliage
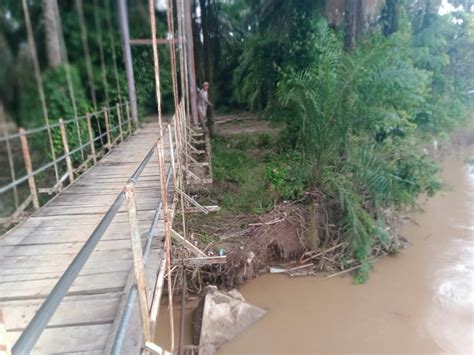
(359, 116)
(361, 91)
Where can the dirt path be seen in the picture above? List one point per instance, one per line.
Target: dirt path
(229, 125)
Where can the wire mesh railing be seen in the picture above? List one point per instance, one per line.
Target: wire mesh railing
(32, 171)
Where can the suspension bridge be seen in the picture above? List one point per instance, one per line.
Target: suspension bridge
(84, 273)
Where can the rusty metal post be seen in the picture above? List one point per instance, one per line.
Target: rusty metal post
(172, 158)
(127, 54)
(70, 170)
(138, 264)
(129, 122)
(107, 128)
(29, 168)
(119, 114)
(190, 61)
(91, 137)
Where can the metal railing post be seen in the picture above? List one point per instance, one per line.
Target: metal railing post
(170, 137)
(129, 121)
(107, 128)
(138, 264)
(29, 169)
(70, 170)
(91, 137)
(119, 114)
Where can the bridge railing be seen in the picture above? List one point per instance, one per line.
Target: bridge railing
(41, 161)
(174, 174)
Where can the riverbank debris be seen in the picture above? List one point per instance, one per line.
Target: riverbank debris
(219, 317)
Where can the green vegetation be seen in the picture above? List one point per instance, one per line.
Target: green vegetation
(361, 92)
(240, 170)
(358, 111)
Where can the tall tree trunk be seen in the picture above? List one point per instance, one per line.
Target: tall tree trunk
(53, 48)
(354, 18)
(390, 17)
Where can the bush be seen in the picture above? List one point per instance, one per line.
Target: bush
(288, 175)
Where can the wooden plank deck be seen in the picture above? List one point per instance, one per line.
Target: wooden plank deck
(34, 255)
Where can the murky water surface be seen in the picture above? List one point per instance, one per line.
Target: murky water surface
(419, 301)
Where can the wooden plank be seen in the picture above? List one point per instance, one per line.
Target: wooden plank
(61, 248)
(41, 263)
(201, 261)
(20, 275)
(35, 254)
(74, 310)
(63, 236)
(190, 246)
(90, 338)
(213, 208)
(88, 284)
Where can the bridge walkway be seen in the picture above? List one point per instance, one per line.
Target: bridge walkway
(35, 254)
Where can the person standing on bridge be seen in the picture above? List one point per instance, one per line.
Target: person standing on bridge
(203, 102)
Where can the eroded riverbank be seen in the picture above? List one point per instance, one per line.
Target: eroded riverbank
(419, 301)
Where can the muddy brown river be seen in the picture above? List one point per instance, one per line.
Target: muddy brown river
(419, 301)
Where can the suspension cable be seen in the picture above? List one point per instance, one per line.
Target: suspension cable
(161, 159)
(183, 72)
(39, 80)
(177, 116)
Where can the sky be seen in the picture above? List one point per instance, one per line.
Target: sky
(446, 8)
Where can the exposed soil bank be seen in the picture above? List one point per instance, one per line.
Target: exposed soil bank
(418, 301)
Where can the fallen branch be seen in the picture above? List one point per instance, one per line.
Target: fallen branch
(349, 270)
(304, 260)
(267, 223)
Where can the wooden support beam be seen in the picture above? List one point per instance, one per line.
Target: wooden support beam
(195, 150)
(129, 122)
(156, 302)
(70, 170)
(197, 210)
(91, 137)
(188, 245)
(29, 168)
(119, 115)
(209, 153)
(201, 261)
(107, 128)
(14, 217)
(192, 201)
(138, 264)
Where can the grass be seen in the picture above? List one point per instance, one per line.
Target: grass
(240, 165)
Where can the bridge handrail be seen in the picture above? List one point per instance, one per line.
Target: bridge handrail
(90, 151)
(56, 125)
(35, 327)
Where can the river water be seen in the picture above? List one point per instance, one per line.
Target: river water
(419, 301)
